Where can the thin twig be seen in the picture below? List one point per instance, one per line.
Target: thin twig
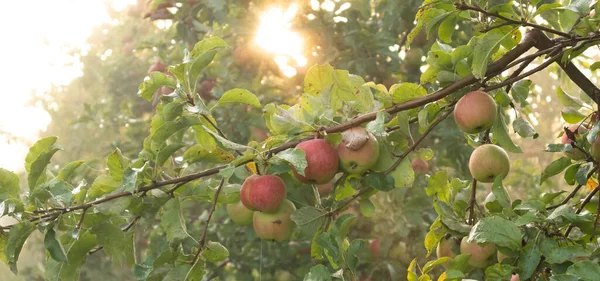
(472, 202)
(202, 241)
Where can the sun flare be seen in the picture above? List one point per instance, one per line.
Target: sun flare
(275, 35)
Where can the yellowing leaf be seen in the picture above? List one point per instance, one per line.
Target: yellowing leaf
(252, 168)
(591, 184)
(442, 277)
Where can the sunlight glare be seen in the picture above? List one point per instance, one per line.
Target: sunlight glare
(274, 35)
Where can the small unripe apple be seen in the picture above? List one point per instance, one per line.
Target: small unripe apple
(374, 248)
(276, 226)
(358, 151)
(321, 159)
(576, 153)
(239, 214)
(444, 249)
(475, 112)
(487, 162)
(479, 254)
(419, 165)
(263, 193)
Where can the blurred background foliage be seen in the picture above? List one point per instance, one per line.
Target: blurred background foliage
(101, 111)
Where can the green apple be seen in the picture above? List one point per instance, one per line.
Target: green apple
(277, 226)
(487, 162)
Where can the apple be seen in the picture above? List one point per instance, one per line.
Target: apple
(239, 214)
(259, 134)
(419, 165)
(205, 89)
(275, 226)
(322, 162)
(444, 249)
(263, 193)
(374, 248)
(157, 66)
(358, 151)
(515, 277)
(283, 275)
(325, 189)
(576, 154)
(475, 112)
(398, 252)
(487, 162)
(479, 254)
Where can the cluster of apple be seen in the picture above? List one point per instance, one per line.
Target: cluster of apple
(263, 202)
(577, 153)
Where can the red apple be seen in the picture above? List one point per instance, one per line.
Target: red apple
(419, 165)
(444, 249)
(275, 226)
(322, 162)
(263, 193)
(358, 151)
(325, 189)
(205, 89)
(374, 248)
(475, 112)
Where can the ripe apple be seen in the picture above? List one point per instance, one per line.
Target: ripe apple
(444, 249)
(515, 277)
(374, 248)
(157, 66)
(419, 165)
(263, 193)
(358, 151)
(275, 226)
(475, 112)
(487, 162)
(325, 189)
(479, 254)
(239, 214)
(576, 154)
(322, 160)
(205, 89)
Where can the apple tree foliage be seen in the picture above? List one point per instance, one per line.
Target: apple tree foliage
(185, 158)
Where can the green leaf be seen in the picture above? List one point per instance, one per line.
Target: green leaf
(173, 221)
(77, 253)
(118, 245)
(38, 167)
(437, 184)
(501, 193)
(524, 128)
(404, 175)
(9, 185)
(318, 273)
(568, 100)
(404, 92)
(153, 82)
(583, 172)
(565, 253)
(377, 126)
(318, 78)
(164, 154)
(197, 271)
(571, 115)
(198, 153)
(239, 96)
(17, 236)
(447, 29)
(3, 241)
(546, 7)
(171, 127)
(198, 63)
(586, 270)
(529, 260)
(423, 18)
(379, 181)
(308, 219)
(116, 163)
(581, 7)
(102, 185)
(39, 147)
(520, 91)
(215, 252)
(54, 247)
(555, 168)
(497, 230)
(352, 253)
(67, 171)
(225, 142)
(484, 46)
(501, 134)
(295, 157)
(498, 272)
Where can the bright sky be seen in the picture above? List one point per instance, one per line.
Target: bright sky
(37, 34)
